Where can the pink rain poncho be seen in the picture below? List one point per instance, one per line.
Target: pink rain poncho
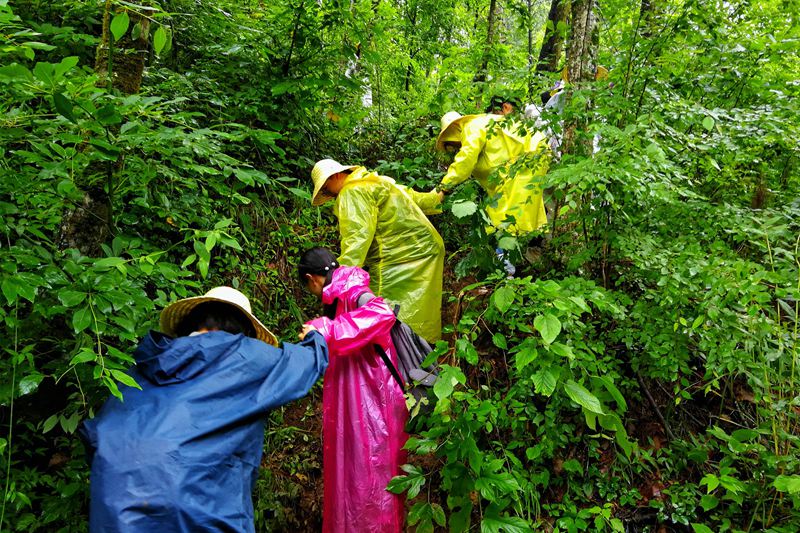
(363, 412)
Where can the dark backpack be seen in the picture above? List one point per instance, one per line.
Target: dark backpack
(411, 352)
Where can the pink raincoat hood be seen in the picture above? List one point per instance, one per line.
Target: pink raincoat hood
(347, 284)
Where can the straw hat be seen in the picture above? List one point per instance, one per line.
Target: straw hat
(451, 128)
(323, 170)
(173, 314)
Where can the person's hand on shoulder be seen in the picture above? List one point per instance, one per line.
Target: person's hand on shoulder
(307, 328)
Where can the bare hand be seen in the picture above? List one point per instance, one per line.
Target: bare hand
(307, 328)
(441, 196)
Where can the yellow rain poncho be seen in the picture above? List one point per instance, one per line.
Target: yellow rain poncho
(490, 152)
(383, 228)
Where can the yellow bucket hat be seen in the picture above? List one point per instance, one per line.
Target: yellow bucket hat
(323, 170)
(451, 128)
(173, 314)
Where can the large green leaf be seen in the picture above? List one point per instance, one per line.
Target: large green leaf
(549, 327)
(64, 106)
(159, 39)
(503, 297)
(790, 484)
(464, 208)
(544, 381)
(580, 395)
(119, 25)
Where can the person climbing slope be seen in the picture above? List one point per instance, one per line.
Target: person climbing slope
(488, 149)
(383, 228)
(363, 406)
(181, 453)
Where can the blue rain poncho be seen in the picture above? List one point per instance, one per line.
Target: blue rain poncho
(182, 454)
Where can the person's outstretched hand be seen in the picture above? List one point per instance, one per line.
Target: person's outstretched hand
(305, 331)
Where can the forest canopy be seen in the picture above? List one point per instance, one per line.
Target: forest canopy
(639, 372)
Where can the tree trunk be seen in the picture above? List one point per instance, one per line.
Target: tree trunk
(553, 45)
(87, 225)
(581, 63)
(123, 61)
(481, 75)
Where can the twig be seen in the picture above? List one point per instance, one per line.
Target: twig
(670, 434)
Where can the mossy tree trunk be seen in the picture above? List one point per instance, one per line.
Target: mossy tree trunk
(553, 45)
(87, 225)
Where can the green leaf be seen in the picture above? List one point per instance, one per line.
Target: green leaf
(119, 25)
(711, 481)
(9, 288)
(159, 39)
(614, 391)
(549, 326)
(460, 519)
(71, 298)
(509, 524)
(562, 350)
(444, 385)
(108, 116)
(508, 243)
(708, 502)
(44, 73)
(790, 484)
(15, 72)
(503, 297)
(438, 514)
(580, 395)
(708, 123)
(465, 349)
(202, 267)
(125, 379)
(69, 425)
(499, 340)
(20, 284)
(66, 64)
(50, 423)
(83, 356)
(39, 46)
(64, 107)
(526, 356)
(700, 528)
(82, 319)
(211, 240)
(107, 263)
(544, 381)
(464, 208)
(29, 383)
(411, 483)
(106, 150)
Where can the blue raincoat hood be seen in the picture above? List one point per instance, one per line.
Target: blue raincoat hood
(164, 360)
(182, 453)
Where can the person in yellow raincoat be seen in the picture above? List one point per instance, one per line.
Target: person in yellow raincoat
(508, 164)
(383, 228)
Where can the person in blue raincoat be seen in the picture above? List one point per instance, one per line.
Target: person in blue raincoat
(181, 454)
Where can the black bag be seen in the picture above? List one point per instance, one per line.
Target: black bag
(411, 352)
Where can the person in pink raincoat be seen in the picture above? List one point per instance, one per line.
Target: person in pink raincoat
(363, 407)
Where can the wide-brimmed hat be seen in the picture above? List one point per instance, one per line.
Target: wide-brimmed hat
(451, 128)
(323, 170)
(173, 314)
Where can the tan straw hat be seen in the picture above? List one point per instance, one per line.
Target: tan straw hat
(173, 314)
(451, 128)
(323, 170)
